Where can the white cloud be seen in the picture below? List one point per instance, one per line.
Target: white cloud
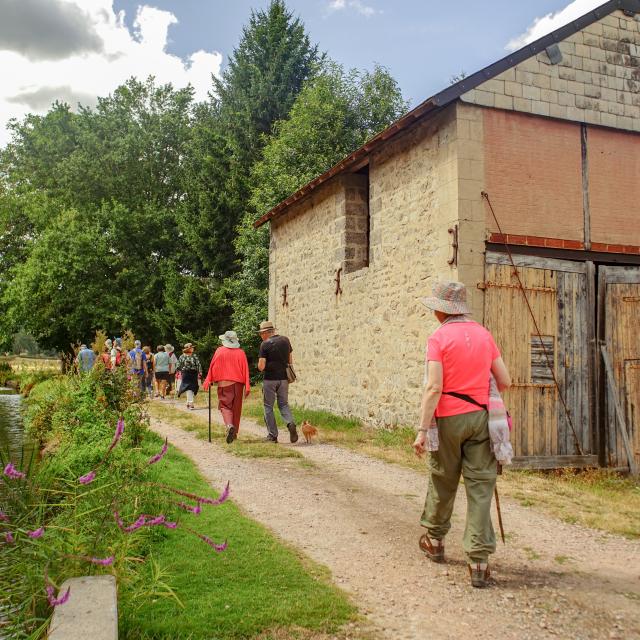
(30, 85)
(552, 21)
(356, 5)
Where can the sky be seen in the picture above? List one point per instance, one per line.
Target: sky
(76, 50)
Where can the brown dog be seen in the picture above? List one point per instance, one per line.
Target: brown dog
(308, 430)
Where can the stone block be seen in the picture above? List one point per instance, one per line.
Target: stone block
(577, 88)
(591, 91)
(484, 98)
(503, 102)
(522, 104)
(557, 111)
(566, 73)
(542, 82)
(540, 108)
(591, 117)
(513, 89)
(547, 95)
(90, 612)
(531, 92)
(608, 120)
(523, 77)
(557, 84)
(494, 85)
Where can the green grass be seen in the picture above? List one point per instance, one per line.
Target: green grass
(257, 586)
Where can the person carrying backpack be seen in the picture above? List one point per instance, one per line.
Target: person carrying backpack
(137, 363)
(191, 369)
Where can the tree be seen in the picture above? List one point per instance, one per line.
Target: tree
(335, 113)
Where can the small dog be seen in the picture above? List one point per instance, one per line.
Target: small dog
(308, 430)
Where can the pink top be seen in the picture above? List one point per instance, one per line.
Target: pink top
(228, 364)
(466, 350)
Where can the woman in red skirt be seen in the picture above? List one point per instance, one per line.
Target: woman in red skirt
(229, 371)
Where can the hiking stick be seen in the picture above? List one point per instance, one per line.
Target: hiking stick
(495, 491)
(209, 413)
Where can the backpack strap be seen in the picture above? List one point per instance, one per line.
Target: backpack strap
(466, 398)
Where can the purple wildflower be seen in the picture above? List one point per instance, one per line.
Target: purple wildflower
(54, 602)
(37, 533)
(187, 507)
(170, 525)
(104, 562)
(196, 498)
(217, 547)
(144, 520)
(160, 455)
(12, 473)
(3, 516)
(87, 478)
(8, 536)
(117, 435)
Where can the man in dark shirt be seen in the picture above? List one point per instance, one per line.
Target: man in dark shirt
(275, 355)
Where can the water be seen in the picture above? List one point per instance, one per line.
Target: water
(11, 425)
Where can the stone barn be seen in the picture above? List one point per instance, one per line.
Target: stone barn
(551, 135)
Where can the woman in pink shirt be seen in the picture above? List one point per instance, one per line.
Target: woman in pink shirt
(229, 371)
(461, 356)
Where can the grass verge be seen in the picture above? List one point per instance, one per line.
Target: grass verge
(596, 498)
(257, 587)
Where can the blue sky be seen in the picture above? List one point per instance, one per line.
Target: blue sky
(76, 50)
(423, 43)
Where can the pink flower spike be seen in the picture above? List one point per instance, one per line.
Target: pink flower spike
(211, 543)
(3, 516)
(8, 536)
(187, 507)
(117, 435)
(162, 453)
(37, 533)
(55, 602)
(12, 473)
(170, 525)
(104, 562)
(87, 478)
(118, 520)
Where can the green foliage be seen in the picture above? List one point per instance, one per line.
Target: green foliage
(335, 113)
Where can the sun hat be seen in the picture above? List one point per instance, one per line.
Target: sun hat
(448, 297)
(230, 339)
(187, 346)
(169, 347)
(137, 343)
(267, 325)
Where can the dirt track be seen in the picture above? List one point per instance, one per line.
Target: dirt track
(359, 517)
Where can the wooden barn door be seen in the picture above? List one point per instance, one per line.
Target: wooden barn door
(559, 292)
(619, 317)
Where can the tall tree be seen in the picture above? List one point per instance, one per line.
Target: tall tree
(334, 114)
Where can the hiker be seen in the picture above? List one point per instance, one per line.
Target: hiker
(105, 356)
(461, 354)
(148, 371)
(173, 363)
(85, 359)
(161, 369)
(274, 356)
(190, 369)
(137, 364)
(229, 371)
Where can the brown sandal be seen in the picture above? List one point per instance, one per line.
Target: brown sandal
(435, 552)
(479, 577)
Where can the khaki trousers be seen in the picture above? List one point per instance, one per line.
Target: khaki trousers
(463, 448)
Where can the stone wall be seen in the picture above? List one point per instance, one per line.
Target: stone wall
(361, 352)
(597, 80)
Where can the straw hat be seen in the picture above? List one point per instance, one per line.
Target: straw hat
(188, 347)
(267, 325)
(230, 339)
(448, 297)
(169, 348)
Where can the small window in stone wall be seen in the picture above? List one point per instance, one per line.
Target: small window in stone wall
(540, 371)
(357, 221)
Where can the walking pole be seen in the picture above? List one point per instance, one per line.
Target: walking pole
(209, 413)
(495, 491)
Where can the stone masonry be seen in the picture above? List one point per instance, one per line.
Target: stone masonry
(597, 81)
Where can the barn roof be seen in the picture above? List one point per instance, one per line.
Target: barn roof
(360, 156)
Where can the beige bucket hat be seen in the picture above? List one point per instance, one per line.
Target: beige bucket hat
(230, 339)
(448, 297)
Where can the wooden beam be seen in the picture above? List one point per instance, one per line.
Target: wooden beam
(622, 427)
(554, 462)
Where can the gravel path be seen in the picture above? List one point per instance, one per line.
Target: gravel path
(359, 517)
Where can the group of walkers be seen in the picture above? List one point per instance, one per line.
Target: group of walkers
(156, 374)
(465, 373)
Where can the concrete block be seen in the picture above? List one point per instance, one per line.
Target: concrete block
(513, 89)
(494, 85)
(577, 88)
(540, 108)
(547, 95)
(533, 93)
(542, 82)
(522, 104)
(557, 111)
(608, 120)
(484, 98)
(503, 102)
(90, 612)
(558, 84)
